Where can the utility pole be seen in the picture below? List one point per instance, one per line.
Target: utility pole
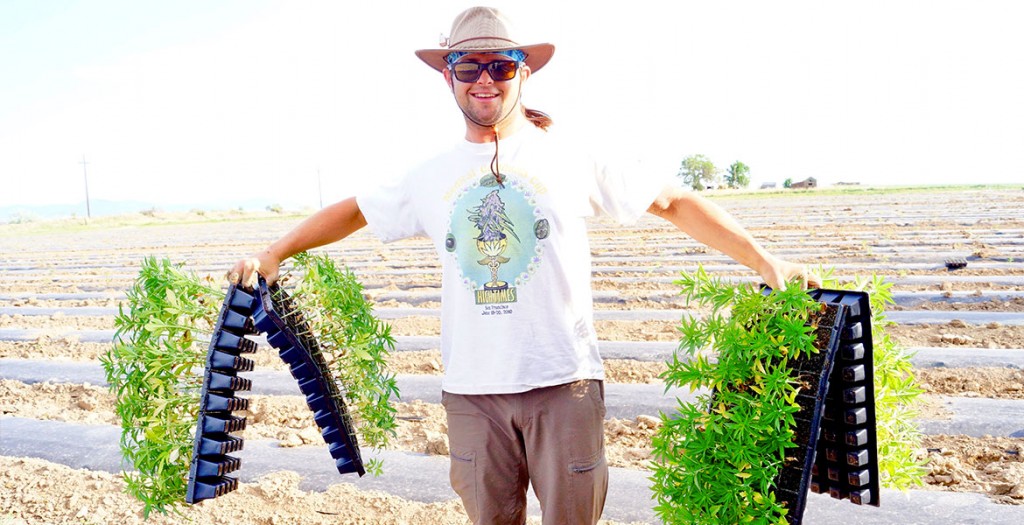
(88, 210)
(320, 188)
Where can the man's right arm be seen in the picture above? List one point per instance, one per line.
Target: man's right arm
(713, 226)
(328, 225)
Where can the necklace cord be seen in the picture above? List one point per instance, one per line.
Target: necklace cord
(495, 168)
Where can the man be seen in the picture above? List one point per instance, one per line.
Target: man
(506, 211)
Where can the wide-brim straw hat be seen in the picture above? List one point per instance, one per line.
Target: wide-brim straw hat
(483, 30)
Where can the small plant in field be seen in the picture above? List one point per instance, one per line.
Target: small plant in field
(152, 370)
(716, 459)
(355, 343)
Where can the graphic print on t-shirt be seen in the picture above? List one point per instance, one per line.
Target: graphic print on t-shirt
(494, 234)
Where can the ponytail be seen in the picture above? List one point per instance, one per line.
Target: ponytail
(539, 118)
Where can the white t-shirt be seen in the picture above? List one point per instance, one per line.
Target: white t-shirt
(517, 308)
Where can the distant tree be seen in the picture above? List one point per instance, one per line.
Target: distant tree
(698, 172)
(788, 183)
(738, 175)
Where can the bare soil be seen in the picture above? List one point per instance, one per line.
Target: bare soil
(959, 334)
(57, 321)
(1000, 383)
(1015, 304)
(40, 492)
(69, 303)
(87, 404)
(54, 349)
(991, 465)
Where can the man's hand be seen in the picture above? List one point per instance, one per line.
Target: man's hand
(777, 273)
(246, 272)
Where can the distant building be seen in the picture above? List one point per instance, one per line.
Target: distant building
(847, 184)
(767, 185)
(809, 182)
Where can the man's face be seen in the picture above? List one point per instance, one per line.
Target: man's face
(486, 101)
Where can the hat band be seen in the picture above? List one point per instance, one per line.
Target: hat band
(460, 42)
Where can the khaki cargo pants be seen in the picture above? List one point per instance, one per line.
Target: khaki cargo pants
(552, 438)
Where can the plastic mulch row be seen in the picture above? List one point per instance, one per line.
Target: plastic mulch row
(836, 450)
(213, 441)
(288, 332)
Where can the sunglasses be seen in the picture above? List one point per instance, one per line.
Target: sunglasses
(498, 70)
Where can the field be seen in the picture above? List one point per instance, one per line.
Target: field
(61, 283)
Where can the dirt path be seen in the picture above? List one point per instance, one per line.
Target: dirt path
(959, 334)
(997, 383)
(40, 492)
(994, 466)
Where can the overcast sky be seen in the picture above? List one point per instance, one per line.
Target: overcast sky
(191, 101)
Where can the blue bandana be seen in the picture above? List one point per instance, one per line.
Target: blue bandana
(514, 54)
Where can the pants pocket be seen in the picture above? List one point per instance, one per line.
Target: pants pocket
(587, 464)
(596, 392)
(588, 486)
(463, 478)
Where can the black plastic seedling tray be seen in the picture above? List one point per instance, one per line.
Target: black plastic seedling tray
(956, 264)
(269, 310)
(836, 450)
(847, 451)
(288, 332)
(813, 373)
(213, 440)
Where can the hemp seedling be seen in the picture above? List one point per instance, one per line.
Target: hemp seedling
(355, 344)
(151, 369)
(717, 459)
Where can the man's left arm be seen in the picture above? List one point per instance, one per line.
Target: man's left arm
(708, 223)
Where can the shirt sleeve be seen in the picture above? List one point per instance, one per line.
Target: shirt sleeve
(625, 195)
(389, 211)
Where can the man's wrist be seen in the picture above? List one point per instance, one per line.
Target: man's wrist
(272, 254)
